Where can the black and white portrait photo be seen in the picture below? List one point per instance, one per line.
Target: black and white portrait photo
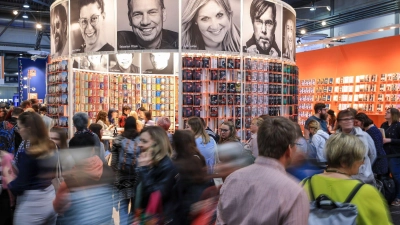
(124, 63)
(147, 24)
(211, 25)
(59, 30)
(289, 35)
(92, 26)
(262, 28)
(96, 63)
(158, 63)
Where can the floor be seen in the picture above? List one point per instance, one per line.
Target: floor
(395, 211)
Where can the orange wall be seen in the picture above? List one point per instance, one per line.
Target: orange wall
(369, 57)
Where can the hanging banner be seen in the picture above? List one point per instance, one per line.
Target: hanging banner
(289, 35)
(59, 30)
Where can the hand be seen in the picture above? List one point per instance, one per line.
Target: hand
(145, 159)
(387, 140)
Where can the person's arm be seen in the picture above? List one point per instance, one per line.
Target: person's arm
(115, 154)
(371, 149)
(317, 142)
(298, 213)
(25, 169)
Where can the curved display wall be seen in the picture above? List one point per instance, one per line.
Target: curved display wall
(218, 59)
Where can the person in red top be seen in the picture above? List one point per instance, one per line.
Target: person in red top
(126, 110)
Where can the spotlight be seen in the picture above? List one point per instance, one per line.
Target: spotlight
(15, 12)
(392, 28)
(25, 78)
(323, 23)
(302, 31)
(25, 16)
(39, 26)
(380, 29)
(20, 54)
(26, 5)
(328, 8)
(25, 87)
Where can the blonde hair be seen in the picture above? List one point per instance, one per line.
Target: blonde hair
(139, 125)
(258, 121)
(162, 146)
(197, 126)
(314, 124)
(344, 150)
(191, 34)
(29, 110)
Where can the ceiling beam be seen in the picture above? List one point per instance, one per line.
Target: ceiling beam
(41, 3)
(9, 24)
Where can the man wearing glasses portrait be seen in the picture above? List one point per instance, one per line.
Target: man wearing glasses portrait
(91, 23)
(59, 31)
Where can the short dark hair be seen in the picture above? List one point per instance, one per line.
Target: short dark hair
(43, 109)
(35, 107)
(344, 113)
(142, 109)
(364, 119)
(17, 111)
(96, 128)
(80, 120)
(352, 110)
(130, 9)
(61, 12)
(395, 114)
(26, 104)
(148, 115)
(274, 136)
(319, 106)
(259, 7)
(87, 2)
(84, 140)
(126, 108)
(130, 128)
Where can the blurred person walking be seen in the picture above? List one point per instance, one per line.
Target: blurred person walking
(7, 200)
(205, 144)
(318, 139)
(271, 187)
(345, 154)
(125, 152)
(36, 168)
(60, 136)
(251, 144)
(165, 123)
(126, 110)
(10, 139)
(98, 130)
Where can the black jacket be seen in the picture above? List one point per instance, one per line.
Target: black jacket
(392, 132)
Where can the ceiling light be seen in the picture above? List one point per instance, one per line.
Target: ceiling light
(25, 78)
(392, 28)
(26, 5)
(328, 8)
(323, 23)
(305, 45)
(39, 26)
(312, 8)
(20, 54)
(15, 12)
(25, 16)
(25, 87)
(302, 31)
(343, 37)
(380, 29)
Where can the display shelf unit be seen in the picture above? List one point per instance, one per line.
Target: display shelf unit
(57, 92)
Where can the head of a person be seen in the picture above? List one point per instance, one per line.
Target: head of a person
(290, 35)
(184, 144)
(97, 129)
(82, 146)
(146, 19)
(59, 27)
(26, 104)
(345, 120)
(34, 101)
(265, 116)
(112, 114)
(255, 124)
(16, 112)
(91, 20)
(159, 60)
(3, 113)
(331, 116)
(362, 120)
(130, 128)
(227, 130)
(80, 120)
(263, 17)
(345, 152)
(164, 122)
(124, 60)
(203, 121)
(276, 138)
(314, 126)
(59, 136)
(126, 110)
(154, 139)
(134, 115)
(31, 127)
(141, 111)
(208, 24)
(392, 115)
(320, 109)
(102, 115)
(196, 124)
(35, 107)
(147, 115)
(43, 110)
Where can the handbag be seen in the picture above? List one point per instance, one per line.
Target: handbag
(323, 210)
(58, 179)
(153, 213)
(387, 187)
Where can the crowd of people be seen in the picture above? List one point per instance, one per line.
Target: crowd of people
(195, 175)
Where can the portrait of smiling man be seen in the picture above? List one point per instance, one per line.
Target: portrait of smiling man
(263, 17)
(124, 63)
(147, 18)
(59, 30)
(92, 25)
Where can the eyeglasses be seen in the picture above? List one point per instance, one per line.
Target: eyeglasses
(223, 130)
(346, 119)
(83, 22)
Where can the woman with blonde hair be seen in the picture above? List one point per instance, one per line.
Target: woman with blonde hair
(156, 171)
(345, 153)
(206, 145)
(101, 119)
(251, 144)
(318, 140)
(207, 25)
(139, 125)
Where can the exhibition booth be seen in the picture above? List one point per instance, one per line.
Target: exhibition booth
(220, 60)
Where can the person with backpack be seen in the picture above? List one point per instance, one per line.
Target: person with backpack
(10, 139)
(125, 152)
(318, 140)
(345, 154)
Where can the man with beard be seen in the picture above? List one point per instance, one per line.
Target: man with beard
(59, 30)
(263, 18)
(320, 116)
(146, 19)
(124, 64)
(161, 63)
(91, 22)
(289, 40)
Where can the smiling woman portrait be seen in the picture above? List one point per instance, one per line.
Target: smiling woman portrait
(207, 25)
